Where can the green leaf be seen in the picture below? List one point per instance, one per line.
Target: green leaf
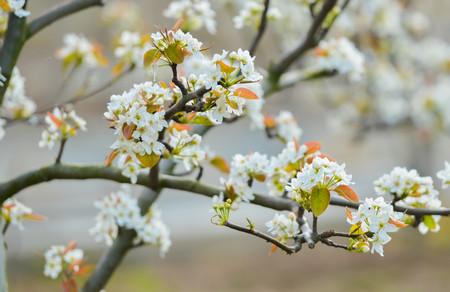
(175, 54)
(429, 222)
(320, 199)
(151, 56)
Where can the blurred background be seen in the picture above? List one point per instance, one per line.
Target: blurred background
(205, 257)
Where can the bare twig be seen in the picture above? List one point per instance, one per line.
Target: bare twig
(261, 28)
(60, 151)
(58, 12)
(268, 238)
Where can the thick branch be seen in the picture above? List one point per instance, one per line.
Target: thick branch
(261, 28)
(310, 42)
(58, 12)
(74, 172)
(12, 46)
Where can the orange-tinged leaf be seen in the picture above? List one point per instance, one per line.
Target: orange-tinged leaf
(225, 68)
(70, 246)
(313, 146)
(54, 119)
(149, 160)
(177, 24)
(260, 177)
(181, 127)
(348, 213)
(118, 68)
(5, 6)
(245, 93)
(347, 193)
(323, 155)
(84, 270)
(269, 122)
(220, 163)
(151, 57)
(145, 38)
(128, 130)
(163, 84)
(34, 217)
(69, 285)
(320, 52)
(110, 158)
(273, 249)
(397, 223)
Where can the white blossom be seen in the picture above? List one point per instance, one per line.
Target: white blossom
(444, 175)
(287, 127)
(283, 227)
(16, 104)
(78, 50)
(195, 14)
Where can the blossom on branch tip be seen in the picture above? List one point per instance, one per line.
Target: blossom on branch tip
(283, 227)
(340, 55)
(65, 261)
(287, 128)
(61, 125)
(371, 224)
(121, 210)
(78, 50)
(250, 14)
(444, 175)
(130, 49)
(194, 13)
(16, 104)
(15, 213)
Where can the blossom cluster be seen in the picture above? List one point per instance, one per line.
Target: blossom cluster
(410, 189)
(14, 212)
(64, 260)
(16, 104)
(371, 224)
(121, 210)
(77, 50)
(194, 13)
(283, 227)
(137, 116)
(61, 125)
(245, 169)
(250, 14)
(339, 55)
(130, 49)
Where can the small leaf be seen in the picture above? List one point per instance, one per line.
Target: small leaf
(54, 119)
(220, 163)
(34, 217)
(128, 130)
(245, 93)
(269, 122)
(118, 68)
(110, 158)
(429, 222)
(149, 160)
(397, 223)
(260, 177)
(348, 213)
(320, 199)
(175, 54)
(347, 193)
(225, 68)
(151, 57)
(313, 146)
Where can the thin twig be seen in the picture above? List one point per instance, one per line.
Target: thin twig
(261, 28)
(268, 238)
(60, 151)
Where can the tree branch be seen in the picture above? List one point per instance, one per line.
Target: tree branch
(261, 28)
(75, 172)
(286, 248)
(310, 42)
(58, 12)
(12, 46)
